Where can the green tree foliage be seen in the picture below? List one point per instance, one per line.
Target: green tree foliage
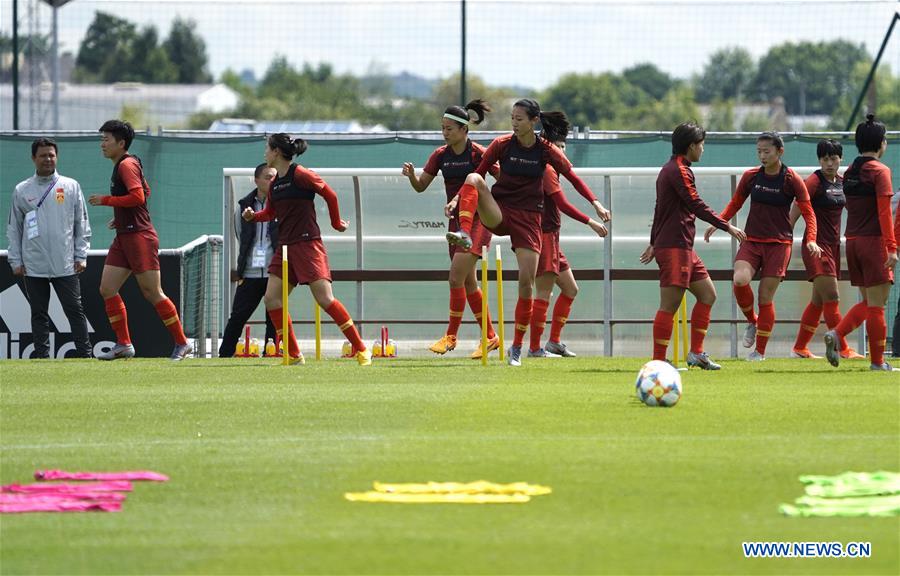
(885, 96)
(446, 93)
(599, 101)
(106, 39)
(721, 116)
(650, 79)
(187, 51)
(811, 76)
(728, 75)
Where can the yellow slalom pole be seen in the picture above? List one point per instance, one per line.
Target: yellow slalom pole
(318, 315)
(675, 338)
(500, 302)
(285, 328)
(484, 304)
(684, 328)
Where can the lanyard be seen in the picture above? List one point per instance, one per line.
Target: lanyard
(44, 197)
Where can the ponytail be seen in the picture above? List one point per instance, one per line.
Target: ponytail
(555, 126)
(460, 114)
(869, 135)
(286, 146)
(480, 107)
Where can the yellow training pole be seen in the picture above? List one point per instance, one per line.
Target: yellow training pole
(318, 315)
(285, 328)
(484, 304)
(675, 338)
(500, 302)
(684, 328)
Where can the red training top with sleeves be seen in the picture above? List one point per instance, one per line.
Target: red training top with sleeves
(827, 199)
(555, 201)
(770, 206)
(677, 206)
(290, 200)
(868, 188)
(520, 181)
(129, 192)
(455, 167)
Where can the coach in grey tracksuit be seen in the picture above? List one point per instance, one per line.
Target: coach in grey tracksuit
(49, 236)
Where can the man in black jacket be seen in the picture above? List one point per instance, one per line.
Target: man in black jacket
(258, 241)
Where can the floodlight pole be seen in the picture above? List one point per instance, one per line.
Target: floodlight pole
(462, 73)
(55, 68)
(15, 64)
(862, 93)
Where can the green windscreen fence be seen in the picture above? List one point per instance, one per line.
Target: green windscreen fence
(185, 174)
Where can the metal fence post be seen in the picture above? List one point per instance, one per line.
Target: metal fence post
(607, 272)
(360, 261)
(734, 306)
(214, 244)
(201, 308)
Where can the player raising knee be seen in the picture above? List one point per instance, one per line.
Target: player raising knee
(672, 245)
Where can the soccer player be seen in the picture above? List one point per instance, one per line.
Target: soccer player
(455, 160)
(771, 187)
(826, 194)
(871, 243)
(135, 249)
(513, 206)
(553, 268)
(291, 201)
(672, 244)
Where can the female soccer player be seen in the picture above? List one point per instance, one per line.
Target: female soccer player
(771, 188)
(456, 160)
(291, 201)
(513, 206)
(136, 246)
(553, 268)
(871, 244)
(672, 244)
(826, 194)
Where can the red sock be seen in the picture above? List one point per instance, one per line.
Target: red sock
(662, 332)
(342, 318)
(474, 299)
(852, 319)
(560, 315)
(118, 318)
(538, 322)
(292, 347)
(832, 319)
(468, 205)
(523, 319)
(169, 316)
(744, 297)
(457, 306)
(764, 326)
(877, 329)
(699, 325)
(809, 322)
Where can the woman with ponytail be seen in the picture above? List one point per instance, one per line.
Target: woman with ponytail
(291, 200)
(458, 158)
(513, 206)
(871, 243)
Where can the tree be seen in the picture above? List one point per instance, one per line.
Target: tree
(728, 75)
(150, 62)
(887, 95)
(812, 77)
(721, 116)
(599, 101)
(677, 106)
(650, 79)
(107, 38)
(446, 93)
(187, 51)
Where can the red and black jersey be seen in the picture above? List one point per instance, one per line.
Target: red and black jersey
(520, 180)
(677, 205)
(770, 205)
(129, 192)
(868, 188)
(454, 167)
(291, 201)
(828, 200)
(555, 201)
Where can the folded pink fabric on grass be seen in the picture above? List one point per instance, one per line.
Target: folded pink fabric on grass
(60, 506)
(137, 475)
(8, 498)
(44, 487)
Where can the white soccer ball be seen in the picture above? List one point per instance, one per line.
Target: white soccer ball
(658, 384)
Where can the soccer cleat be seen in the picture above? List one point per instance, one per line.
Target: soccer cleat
(882, 367)
(364, 357)
(116, 352)
(444, 345)
(542, 353)
(559, 349)
(297, 360)
(750, 336)
(805, 353)
(493, 344)
(831, 351)
(851, 354)
(460, 239)
(514, 356)
(702, 361)
(755, 356)
(181, 352)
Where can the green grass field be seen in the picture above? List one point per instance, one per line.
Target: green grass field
(260, 456)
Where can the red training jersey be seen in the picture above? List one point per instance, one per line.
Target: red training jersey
(455, 167)
(677, 206)
(129, 192)
(555, 201)
(868, 188)
(827, 200)
(291, 200)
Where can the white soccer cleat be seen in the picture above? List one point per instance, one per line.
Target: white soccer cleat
(116, 352)
(749, 336)
(755, 357)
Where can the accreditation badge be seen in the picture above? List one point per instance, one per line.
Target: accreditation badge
(60, 196)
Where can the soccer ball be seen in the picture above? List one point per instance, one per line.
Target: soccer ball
(658, 384)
